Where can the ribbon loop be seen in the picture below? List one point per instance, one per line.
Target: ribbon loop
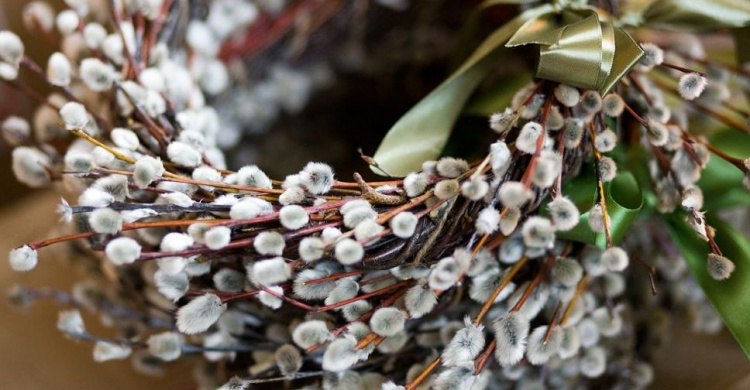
(580, 50)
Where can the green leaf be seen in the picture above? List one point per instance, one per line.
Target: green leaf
(497, 97)
(624, 202)
(721, 181)
(421, 133)
(730, 297)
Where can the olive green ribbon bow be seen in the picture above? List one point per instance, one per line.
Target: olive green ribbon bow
(579, 48)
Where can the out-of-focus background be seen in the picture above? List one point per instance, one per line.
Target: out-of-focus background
(34, 355)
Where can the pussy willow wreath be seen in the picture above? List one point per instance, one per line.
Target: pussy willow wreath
(529, 267)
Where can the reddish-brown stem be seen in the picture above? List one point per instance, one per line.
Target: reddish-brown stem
(640, 89)
(288, 299)
(503, 283)
(552, 325)
(418, 380)
(635, 115)
(365, 296)
(333, 277)
(534, 282)
(681, 68)
(482, 359)
(579, 290)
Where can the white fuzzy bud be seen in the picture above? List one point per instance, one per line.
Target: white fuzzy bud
(615, 259)
(11, 48)
(539, 352)
(8, 72)
(270, 300)
(591, 101)
(175, 242)
(229, 280)
(657, 133)
(538, 232)
(345, 289)
(465, 345)
(613, 105)
(451, 167)
(288, 359)
(419, 300)
(67, 21)
(415, 184)
(529, 136)
(184, 154)
(564, 213)
(252, 176)
(475, 188)
(23, 259)
(292, 195)
(605, 141)
(94, 197)
(311, 248)
(146, 170)
(500, 158)
(348, 251)
(15, 130)
(270, 272)
(341, 354)
(514, 194)
(71, 322)
(201, 39)
(317, 178)
(97, 75)
(568, 96)
(447, 189)
(593, 363)
(509, 221)
(501, 122)
(123, 250)
(444, 274)
(125, 138)
(404, 224)
(171, 285)
(104, 351)
(511, 330)
(607, 169)
(566, 271)
(573, 133)
(166, 346)
(39, 15)
(293, 217)
(691, 85)
(596, 219)
(719, 267)
(199, 314)
(105, 221)
(218, 237)
(74, 116)
(94, 35)
(545, 172)
(269, 243)
(387, 321)
(58, 70)
(367, 231)
(652, 56)
(488, 221)
(310, 333)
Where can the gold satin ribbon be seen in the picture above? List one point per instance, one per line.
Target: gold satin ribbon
(579, 48)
